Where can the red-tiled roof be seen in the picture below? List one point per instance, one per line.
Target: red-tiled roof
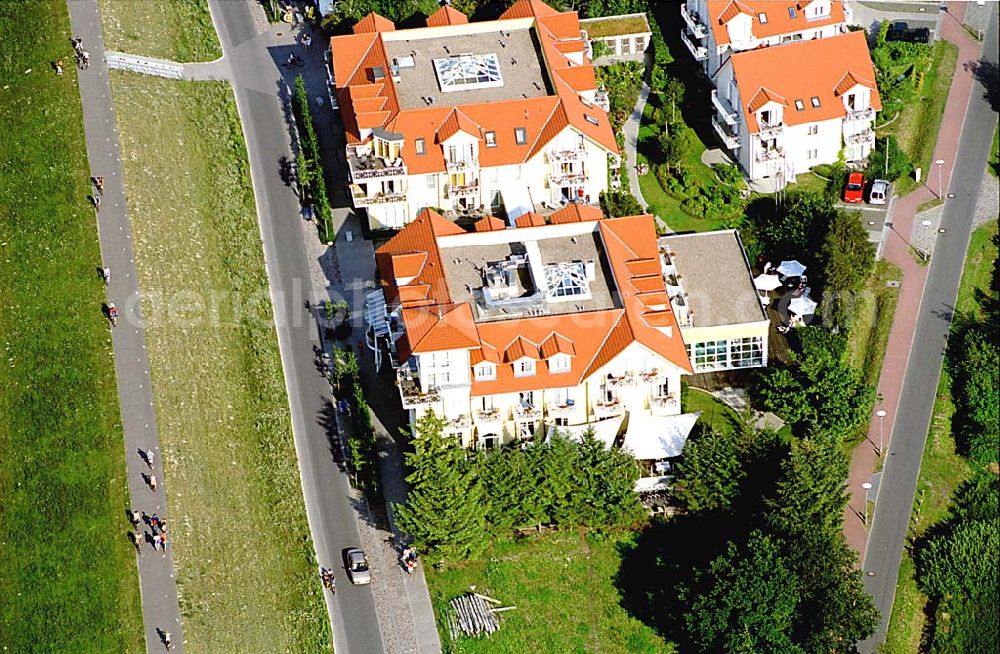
(526, 8)
(530, 219)
(457, 121)
(779, 19)
(489, 224)
(418, 236)
(373, 23)
(575, 213)
(446, 15)
(822, 69)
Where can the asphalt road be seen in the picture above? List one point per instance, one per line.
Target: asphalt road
(895, 498)
(329, 505)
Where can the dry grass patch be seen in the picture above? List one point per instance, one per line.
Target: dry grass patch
(179, 30)
(245, 564)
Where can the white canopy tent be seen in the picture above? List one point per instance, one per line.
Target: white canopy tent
(651, 438)
(802, 306)
(766, 282)
(604, 431)
(791, 268)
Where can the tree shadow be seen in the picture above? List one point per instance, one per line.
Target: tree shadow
(327, 419)
(988, 75)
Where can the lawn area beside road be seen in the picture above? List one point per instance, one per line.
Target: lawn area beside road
(179, 30)
(942, 469)
(871, 321)
(68, 578)
(563, 585)
(918, 123)
(244, 557)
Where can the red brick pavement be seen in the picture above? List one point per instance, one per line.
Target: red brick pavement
(899, 252)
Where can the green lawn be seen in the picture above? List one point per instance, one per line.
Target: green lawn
(179, 30)
(994, 164)
(871, 320)
(917, 126)
(67, 572)
(245, 564)
(714, 412)
(942, 470)
(563, 585)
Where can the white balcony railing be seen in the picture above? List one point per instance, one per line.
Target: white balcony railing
(659, 405)
(362, 200)
(560, 156)
(732, 142)
(860, 138)
(867, 115)
(607, 409)
(770, 154)
(461, 422)
(464, 190)
(487, 416)
(560, 410)
(371, 167)
(694, 23)
(723, 108)
(772, 131)
(462, 165)
(699, 52)
(559, 177)
(527, 412)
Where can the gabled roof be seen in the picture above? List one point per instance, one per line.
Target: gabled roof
(575, 213)
(821, 69)
(457, 121)
(440, 327)
(489, 224)
(521, 348)
(526, 8)
(779, 19)
(530, 219)
(446, 15)
(557, 344)
(373, 23)
(417, 237)
(849, 81)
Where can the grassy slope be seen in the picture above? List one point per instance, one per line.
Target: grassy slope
(918, 124)
(871, 321)
(239, 518)
(563, 585)
(67, 573)
(180, 30)
(941, 469)
(714, 412)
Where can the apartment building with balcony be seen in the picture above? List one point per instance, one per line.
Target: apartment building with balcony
(782, 110)
(571, 324)
(472, 118)
(714, 30)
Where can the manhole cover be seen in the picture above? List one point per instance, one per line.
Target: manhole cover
(892, 283)
(951, 195)
(279, 33)
(941, 230)
(871, 222)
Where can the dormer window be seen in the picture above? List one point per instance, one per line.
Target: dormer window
(485, 371)
(520, 135)
(590, 119)
(524, 368)
(791, 13)
(762, 17)
(800, 105)
(815, 101)
(491, 139)
(559, 363)
(421, 146)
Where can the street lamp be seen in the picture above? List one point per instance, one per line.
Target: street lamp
(864, 514)
(940, 165)
(881, 417)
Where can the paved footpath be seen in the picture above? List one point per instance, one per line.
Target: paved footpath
(921, 324)
(158, 587)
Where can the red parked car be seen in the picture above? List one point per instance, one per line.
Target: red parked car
(855, 188)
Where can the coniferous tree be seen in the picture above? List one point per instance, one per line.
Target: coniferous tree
(445, 510)
(709, 474)
(810, 494)
(555, 463)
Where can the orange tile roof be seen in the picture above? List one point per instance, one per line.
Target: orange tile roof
(446, 15)
(354, 57)
(418, 236)
(820, 67)
(779, 21)
(575, 213)
(521, 348)
(440, 327)
(373, 23)
(408, 264)
(489, 224)
(457, 121)
(530, 219)
(557, 344)
(849, 81)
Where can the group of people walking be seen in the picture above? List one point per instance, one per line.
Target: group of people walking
(157, 534)
(82, 55)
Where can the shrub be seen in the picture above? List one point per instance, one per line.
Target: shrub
(896, 165)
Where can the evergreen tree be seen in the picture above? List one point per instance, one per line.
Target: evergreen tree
(605, 485)
(555, 463)
(810, 495)
(709, 473)
(445, 510)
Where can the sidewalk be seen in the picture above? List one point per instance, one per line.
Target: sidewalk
(864, 459)
(160, 610)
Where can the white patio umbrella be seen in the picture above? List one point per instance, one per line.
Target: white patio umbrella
(802, 306)
(791, 268)
(766, 282)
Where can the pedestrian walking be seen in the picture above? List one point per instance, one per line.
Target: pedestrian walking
(166, 640)
(135, 518)
(152, 483)
(96, 199)
(154, 522)
(77, 44)
(99, 184)
(106, 275)
(137, 542)
(84, 60)
(148, 456)
(307, 40)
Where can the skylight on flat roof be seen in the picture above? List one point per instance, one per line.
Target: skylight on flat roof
(467, 71)
(566, 281)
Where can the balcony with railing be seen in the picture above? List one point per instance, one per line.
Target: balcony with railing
(699, 52)
(527, 411)
(560, 410)
(628, 379)
(461, 165)
(660, 405)
(608, 408)
(771, 131)
(770, 154)
(860, 138)
(693, 21)
(487, 417)
(461, 422)
(362, 199)
(732, 142)
(412, 395)
(724, 109)
(563, 177)
(860, 114)
(561, 156)
(464, 189)
(368, 166)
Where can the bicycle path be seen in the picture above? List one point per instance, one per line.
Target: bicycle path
(160, 608)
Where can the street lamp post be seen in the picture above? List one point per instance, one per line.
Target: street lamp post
(881, 417)
(864, 513)
(940, 164)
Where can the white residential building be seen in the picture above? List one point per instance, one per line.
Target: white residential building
(471, 118)
(782, 110)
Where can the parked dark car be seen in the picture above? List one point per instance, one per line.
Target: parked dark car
(901, 31)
